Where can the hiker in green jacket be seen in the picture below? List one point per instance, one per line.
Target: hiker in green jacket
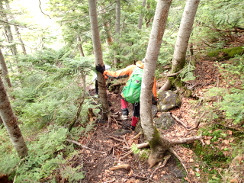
(128, 72)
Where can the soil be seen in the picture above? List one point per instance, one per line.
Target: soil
(107, 147)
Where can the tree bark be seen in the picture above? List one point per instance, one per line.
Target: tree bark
(141, 14)
(183, 36)
(4, 69)
(98, 58)
(10, 122)
(157, 145)
(152, 52)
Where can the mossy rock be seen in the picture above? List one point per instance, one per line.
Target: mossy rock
(226, 53)
(168, 100)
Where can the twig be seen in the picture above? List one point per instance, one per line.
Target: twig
(198, 121)
(136, 136)
(78, 111)
(138, 177)
(40, 6)
(84, 147)
(179, 121)
(21, 161)
(114, 138)
(178, 157)
(166, 158)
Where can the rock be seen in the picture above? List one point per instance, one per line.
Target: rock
(164, 121)
(168, 100)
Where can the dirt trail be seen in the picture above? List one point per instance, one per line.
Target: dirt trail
(107, 148)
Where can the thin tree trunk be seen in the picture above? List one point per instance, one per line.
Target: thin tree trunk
(4, 69)
(141, 14)
(117, 29)
(151, 58)
(183, 36)
(98, 58)
(10, 122)
(79, 45)
(7, 30)
(20, 39)
(16, 29)
(158, 145)
(108, 33)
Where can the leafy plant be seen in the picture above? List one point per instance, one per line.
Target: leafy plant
(143, 154)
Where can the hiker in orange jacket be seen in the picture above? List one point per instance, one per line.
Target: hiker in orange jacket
(123, 73)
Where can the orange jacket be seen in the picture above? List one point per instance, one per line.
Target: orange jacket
(126, 72)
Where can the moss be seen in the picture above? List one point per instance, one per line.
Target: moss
(211, 155)
(226, 52)
(156, 141)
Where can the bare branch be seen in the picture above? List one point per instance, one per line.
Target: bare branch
(83, 146)
(40, 6)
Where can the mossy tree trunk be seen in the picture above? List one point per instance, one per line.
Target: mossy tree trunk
(98, 58)
(178, 61)
(156, 144)
(10, 122)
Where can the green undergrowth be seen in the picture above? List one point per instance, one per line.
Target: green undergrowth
(46, 99)
(222, 124)
(226, 53)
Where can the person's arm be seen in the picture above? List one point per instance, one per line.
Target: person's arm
(123, 73)
(154, 89)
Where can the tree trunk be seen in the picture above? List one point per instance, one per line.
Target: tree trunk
(79, 45)
(108, 33)
(4, 69)
(183, 36)
(117, 29)
(10, 122)
(16, 29)
(141, 14)
(98, 58)
(7, 30)
(158, 27)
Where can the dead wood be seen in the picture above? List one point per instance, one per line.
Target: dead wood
(122, 166)
(116, 139)
(179, 121)
(189, 128)
(83, 146)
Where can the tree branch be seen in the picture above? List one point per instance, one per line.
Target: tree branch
(40, 6)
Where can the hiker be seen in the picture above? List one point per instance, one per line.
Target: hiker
(131, 71)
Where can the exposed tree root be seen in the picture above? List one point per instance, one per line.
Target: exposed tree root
(161, 165)
(179, 158)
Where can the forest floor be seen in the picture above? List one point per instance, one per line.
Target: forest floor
(107, 148)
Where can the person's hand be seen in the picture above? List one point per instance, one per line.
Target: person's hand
(100, 68)
(154, 101)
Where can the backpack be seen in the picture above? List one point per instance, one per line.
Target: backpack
(132, 90)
